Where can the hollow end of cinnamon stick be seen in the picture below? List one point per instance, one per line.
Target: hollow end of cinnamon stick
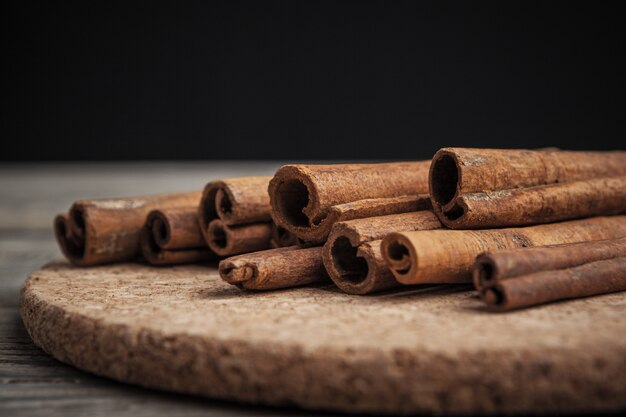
(72, 247)
(223, 204)
(159, 228)
(77, 221)
(218, 237)
(444, 179)
(155, 234)
(150, 249)
(484, 273)
(207, 210)
(397, 254)
(347, 266)
(291, 196)
(234, 273)
(357, 269)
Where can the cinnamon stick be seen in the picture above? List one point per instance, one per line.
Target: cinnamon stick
(492, 267)
(104, 231)
(173, 236)
(303, 196)
(227, 240)
(359, 268)
(592, 278)
(235, 201)
(484, 188)
(447, 256)
(275, 268)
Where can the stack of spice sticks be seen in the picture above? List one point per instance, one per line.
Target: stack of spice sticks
(527, 226)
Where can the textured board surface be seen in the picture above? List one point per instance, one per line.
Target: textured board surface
(430, 349)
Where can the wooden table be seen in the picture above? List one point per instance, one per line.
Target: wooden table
(32, 382)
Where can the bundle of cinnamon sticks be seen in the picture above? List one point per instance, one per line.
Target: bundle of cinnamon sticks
(517, 222)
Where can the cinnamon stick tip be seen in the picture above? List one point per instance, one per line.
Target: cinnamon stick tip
(235, 273)
(444, 176)
(223, 203)
(291, 192)
(76, 220)
(217, 236)
(159, 227)
(60, 224)
(72, 246)
(343, 262)
(396, 253)
(207, 208)
(484, 272)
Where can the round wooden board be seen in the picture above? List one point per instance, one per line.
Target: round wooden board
(431, 349)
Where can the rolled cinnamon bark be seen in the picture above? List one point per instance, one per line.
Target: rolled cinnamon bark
(592, 278)
(491, 267)
(484, 188)
(303, 196)
(357, 268)
(104, 231)
(227, 240)
(447, 256)
(235, 201)
(173, 236)
(275, 268)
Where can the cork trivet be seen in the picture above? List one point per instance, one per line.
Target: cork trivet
(431, 350)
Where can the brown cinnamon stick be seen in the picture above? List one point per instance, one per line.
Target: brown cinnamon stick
(447, 256)
(592, 278)
(173, 236)
(492, 267)
(105, 231)
(306, 199)
(227, 240)
(357, 268)
(235, 201)
(275, 268)
(234, 215)
(483, 188)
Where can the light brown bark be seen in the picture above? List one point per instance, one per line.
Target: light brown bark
(104, 231)
(227, 240)
(486, 188)
(447, 256)
(275, 268)
(235, 201)
(303, 196)
(173, 236)
(359, 268)
(492, 267)
(588, 279)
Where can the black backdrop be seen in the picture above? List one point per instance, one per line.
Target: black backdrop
(308, 80)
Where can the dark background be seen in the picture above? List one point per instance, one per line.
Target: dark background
(308, 80)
